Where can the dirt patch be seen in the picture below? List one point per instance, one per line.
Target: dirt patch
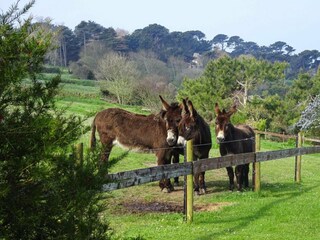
(135, 207)
(165, 207)
(212, 206)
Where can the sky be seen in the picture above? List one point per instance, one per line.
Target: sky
(264, 22)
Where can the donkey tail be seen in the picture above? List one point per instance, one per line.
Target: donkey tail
(93, 139)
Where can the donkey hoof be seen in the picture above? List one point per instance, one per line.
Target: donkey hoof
(167, 190)
(202, 191)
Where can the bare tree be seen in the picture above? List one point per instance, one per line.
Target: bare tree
(149, 89)
(310, 117)
(118, 76)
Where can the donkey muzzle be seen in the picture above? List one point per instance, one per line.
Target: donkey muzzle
(220, 137)
(171, 138)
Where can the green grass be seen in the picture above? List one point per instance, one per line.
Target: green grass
(282, 210)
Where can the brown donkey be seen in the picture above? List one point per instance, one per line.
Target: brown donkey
(234, 140)
(193, 127)
(156, 133)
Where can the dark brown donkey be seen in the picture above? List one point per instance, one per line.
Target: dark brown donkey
(234, 140)
(156, 133)
(193, 127)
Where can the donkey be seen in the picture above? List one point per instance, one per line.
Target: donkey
(234, 140)
(156, 133)
(193, 127)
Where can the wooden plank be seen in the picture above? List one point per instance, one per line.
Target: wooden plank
(297, 174)
(311, 140)
(145, 175)
(278, 154)
(221, 162)
(189, 209)
(257, 166)
(283, 136)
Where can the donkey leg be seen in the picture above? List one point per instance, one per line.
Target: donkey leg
(245, 175)
(202, 189)
(165, 185)
(164, 158)
(231, 178)
(196, 183)
(175, 159)
(106, 148)
(105, 154)
(239, 176)
(162, 184)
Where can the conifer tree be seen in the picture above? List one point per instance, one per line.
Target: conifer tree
(44, 192)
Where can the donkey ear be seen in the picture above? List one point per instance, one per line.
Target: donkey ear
(184, 107)
(193, 112)
(217, 109)
(165, 105)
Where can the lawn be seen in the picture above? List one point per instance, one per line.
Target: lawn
(282, 210)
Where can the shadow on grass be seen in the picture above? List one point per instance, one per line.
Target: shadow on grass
(283, 193)
(113, 161)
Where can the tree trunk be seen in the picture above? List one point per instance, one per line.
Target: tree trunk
(245, 97)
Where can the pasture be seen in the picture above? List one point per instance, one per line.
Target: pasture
(282, 210)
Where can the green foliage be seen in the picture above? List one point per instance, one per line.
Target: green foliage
(261, 124)
(51, 69)
(44, 192)
(81, 70)
(228, 80)
(239, 117)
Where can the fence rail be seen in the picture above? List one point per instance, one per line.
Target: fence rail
(280, 135)
(145, 175)
(284, 136)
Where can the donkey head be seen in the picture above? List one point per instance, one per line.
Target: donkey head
(188, 126)
(171, 114)
(223, 122)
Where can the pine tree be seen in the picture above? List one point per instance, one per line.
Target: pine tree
(44, 192)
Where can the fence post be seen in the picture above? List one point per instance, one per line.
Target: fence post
(189, 211)
(256, 166)
(297, 175)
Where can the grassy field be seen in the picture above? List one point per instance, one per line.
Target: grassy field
(282, 210)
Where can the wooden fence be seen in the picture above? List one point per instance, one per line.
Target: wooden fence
(152, 174)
